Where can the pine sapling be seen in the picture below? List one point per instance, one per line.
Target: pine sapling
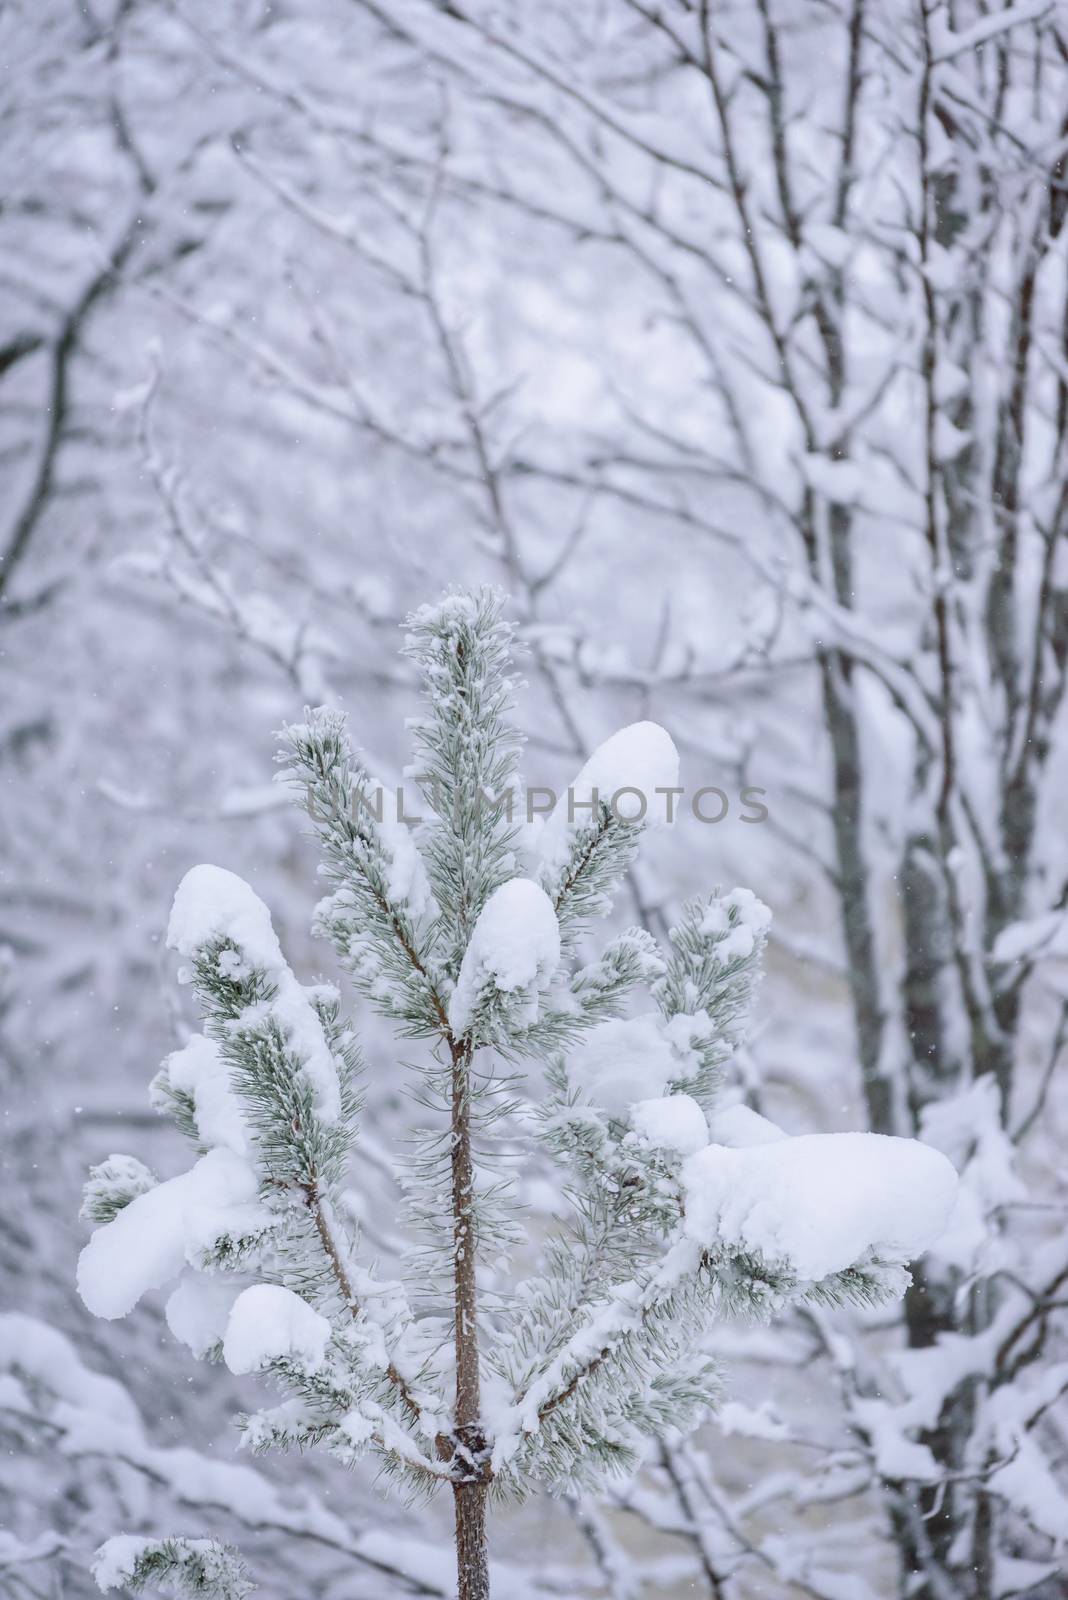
(681, 1211)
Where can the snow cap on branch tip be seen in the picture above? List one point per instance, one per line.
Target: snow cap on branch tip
(671, 1122)
(738, 921)
(269, 1323)
(201, 1567)
(216, 906)
(818, 1204)
(212, 903)
(111, 1186)
(514, 946)
(458, 609)
(626, 772)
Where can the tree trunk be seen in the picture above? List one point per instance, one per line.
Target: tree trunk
(855, 890)
(470, 1481)
(472, 1561)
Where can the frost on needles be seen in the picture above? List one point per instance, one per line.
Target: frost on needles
(608, 1063)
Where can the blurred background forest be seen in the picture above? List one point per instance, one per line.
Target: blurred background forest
(731, 339)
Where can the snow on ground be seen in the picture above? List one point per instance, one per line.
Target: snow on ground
(514, 945)
(818, 1203)
(269, 1323)
(213, 904)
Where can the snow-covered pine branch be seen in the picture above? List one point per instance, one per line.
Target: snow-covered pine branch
(376, 914)
(175, 1566)
(251, 1235)
(678, 1219)
(592, 836)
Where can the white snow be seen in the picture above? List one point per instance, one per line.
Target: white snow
(212, 903)
(735, 946)
(738, 1126)
(458, 608)
(839, 481)
(819, 1203)
(199, 1309)
(831, 245)
(198, 1070)
(628, 1059)
(751, 1422)
(114, 1562)
(1040, 938)
(968, 1129)
(407, 883)
(735, 937)
(1026, 1477)
(101, 1422)
(43, 1354)
(514, 945)
(118, 1175)
(673, 1122)
(269, 1323)
(639, 757)
(688, 1032)
(949, 42)
(896, 1455)
(949, 441)
(207, 1226)
(150, 1240)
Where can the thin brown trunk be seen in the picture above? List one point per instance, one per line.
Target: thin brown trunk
(470, 1467)
(472, 1564)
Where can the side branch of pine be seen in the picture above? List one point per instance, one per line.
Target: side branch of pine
(337, 817)
(333, 1253)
